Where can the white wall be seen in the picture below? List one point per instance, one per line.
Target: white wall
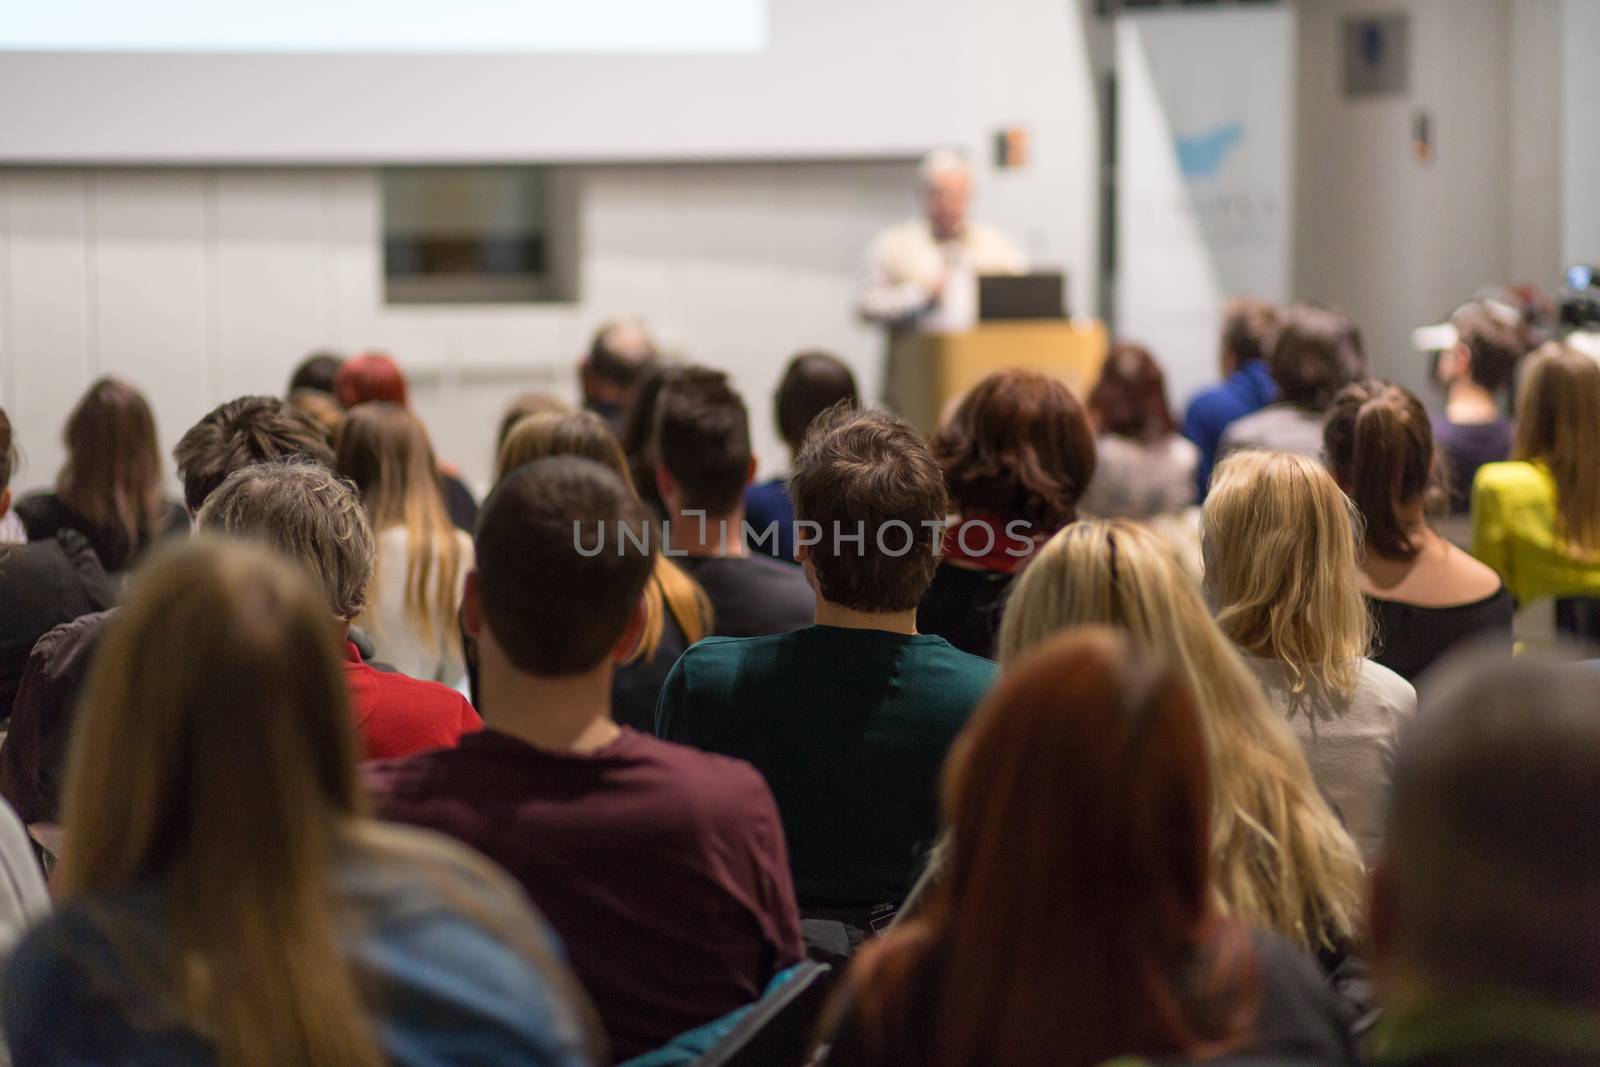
(1580, 93)
(1396, 242)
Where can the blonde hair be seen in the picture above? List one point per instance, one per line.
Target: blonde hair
(214, 759)
(586, 435)
(385, 451)
(1558, 424)
(1281, 858)
(1279, 539)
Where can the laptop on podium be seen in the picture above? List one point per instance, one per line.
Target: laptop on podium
(1009, 297)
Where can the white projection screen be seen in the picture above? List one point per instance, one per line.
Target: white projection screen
(438, 81)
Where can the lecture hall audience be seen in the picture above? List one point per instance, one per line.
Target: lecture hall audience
(812, 383)
(1280, 550)
(222, 900)
(422, 557)
(849, 719)
(662, 868)
(703, 464)
(1316, 351)
(1017, 455)
(1425, 594)
(109, 489)
(1078, 922)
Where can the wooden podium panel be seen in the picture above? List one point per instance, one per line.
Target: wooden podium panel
(929, 372)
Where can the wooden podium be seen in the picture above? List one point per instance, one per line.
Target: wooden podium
(929, 372)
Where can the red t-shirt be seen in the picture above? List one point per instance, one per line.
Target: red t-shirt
(397, 715)
(662, 868)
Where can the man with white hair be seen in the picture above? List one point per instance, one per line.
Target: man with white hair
(922, 274)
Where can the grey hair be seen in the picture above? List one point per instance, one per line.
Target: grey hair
(306, 512)
(940, 161)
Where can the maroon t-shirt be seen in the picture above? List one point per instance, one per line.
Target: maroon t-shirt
(663, 869)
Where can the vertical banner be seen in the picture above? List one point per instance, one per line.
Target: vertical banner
(1205, 106)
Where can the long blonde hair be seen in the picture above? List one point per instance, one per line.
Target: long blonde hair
(214, 760)
(1279, 539)
(1281, 858)
(585, 434)
(385, 451)
(1558, 424)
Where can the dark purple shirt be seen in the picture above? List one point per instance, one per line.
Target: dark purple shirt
(1466, 446)
(663, 869)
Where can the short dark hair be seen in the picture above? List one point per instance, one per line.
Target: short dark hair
(609, 362)
(1317, 352)
(1019, 446)
(1494, 344)
(868, 472)
(1130, 399)
(703, 438)
(252, 429)
(317, 372)
(1380, 449)
(812, 383)
(564, 552)
(1247, 328)
(1491, 862)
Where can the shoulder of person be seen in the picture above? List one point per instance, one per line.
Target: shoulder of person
(1301, 1018)
(718, 786)
(1387, 686)
(1512, 476)
(900, 233)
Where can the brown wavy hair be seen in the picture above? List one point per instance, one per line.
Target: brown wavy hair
(1077, 920)
(1020, 447)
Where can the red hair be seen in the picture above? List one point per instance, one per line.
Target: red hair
(1076, 921)
(370, 376)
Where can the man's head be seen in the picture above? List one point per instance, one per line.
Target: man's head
(946, 191)
(1316, 352)
(1489, 878)
(619, 353)
(702, 441)
(812, 383)
(868, 473)
(1247, 327)
(305, 512)
(317, 372)
(1489, 343)
(563, 554)
(252, 429)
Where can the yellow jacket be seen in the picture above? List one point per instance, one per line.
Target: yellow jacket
(1514, 531)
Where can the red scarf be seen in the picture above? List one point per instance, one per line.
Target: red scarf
(988, 544)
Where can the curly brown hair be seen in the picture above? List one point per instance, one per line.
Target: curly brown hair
(1019, 446)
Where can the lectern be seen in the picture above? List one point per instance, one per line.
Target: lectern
(929, 372)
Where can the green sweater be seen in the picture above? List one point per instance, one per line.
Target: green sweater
(850, 728)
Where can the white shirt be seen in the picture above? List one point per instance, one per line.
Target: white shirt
(397, 638)
(1348, 740)
(906, 261)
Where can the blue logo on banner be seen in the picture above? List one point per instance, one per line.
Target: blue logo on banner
(1201, 156)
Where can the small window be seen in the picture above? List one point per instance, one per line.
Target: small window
(478, 235)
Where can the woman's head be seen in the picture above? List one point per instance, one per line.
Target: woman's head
(1316, 352)
(1279, 540)
(113, 472)
(532, 402)
(1558, 424)
(1380, 449)
(384, 450)
(1130, 400)
(1280, 858)
(570, 433)
(1018, 447)
(370, 376)
(1076, 921)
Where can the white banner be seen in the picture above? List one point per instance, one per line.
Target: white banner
(1205, 107)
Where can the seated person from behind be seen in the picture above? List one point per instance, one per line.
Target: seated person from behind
(42, 584)
(702, 443)
(1425, 594)
(812, 383)
(850, 719)
(1476, 370)
(314, 517)
(662, 868)
(1144, 468)
(1483, 929)
(223, 900)
(609, 373)
(1246, 386)
(1315, 353)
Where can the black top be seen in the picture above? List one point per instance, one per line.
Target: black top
(636, 686)
(43, 515)
(1300, 1021)
(753, 595)
(1408, 638)
(42, 585)
(963, 606)
(459, 502)
(1466, 446)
